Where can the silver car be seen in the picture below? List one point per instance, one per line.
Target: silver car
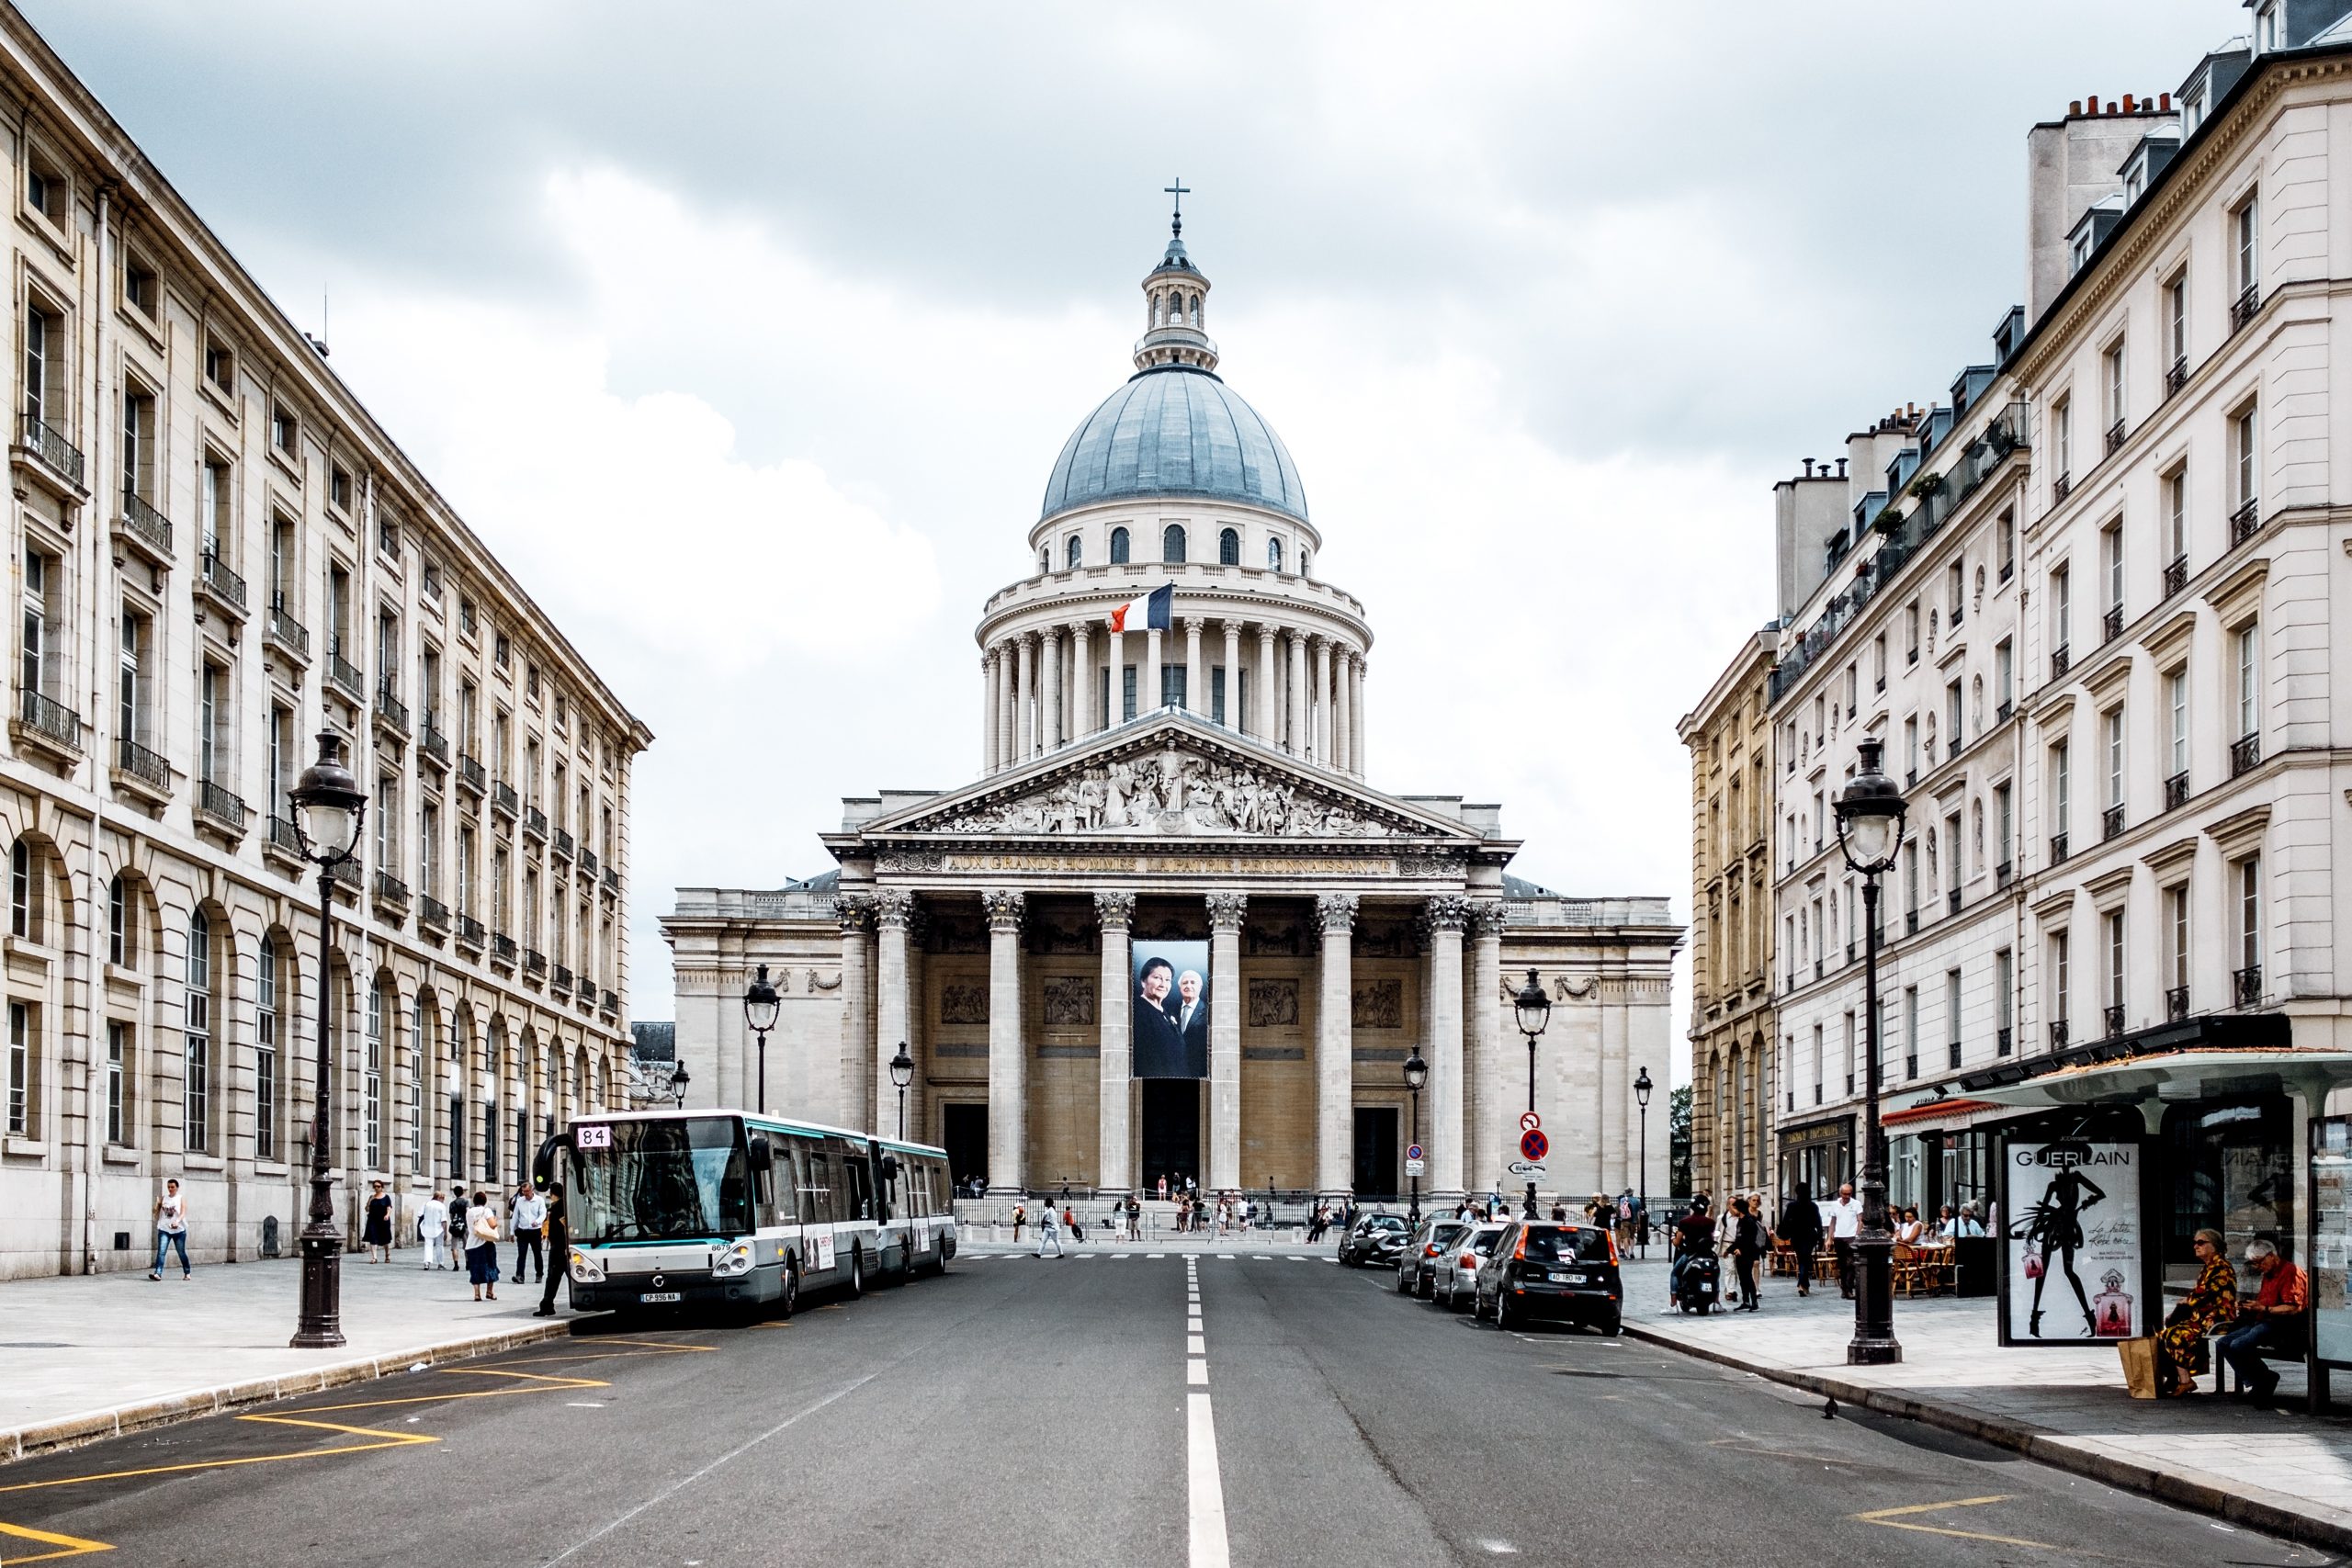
(1457, 1271)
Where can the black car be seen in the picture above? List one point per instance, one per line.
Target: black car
(1374, 1240)
(1417, 1262)
(1549, 1270)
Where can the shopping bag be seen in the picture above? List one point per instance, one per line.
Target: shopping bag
(2139, 1366)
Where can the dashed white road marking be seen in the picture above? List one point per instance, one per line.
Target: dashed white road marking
(1209, 1548)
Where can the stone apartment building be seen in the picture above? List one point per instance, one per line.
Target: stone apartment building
(2093, 604)
(218, 553)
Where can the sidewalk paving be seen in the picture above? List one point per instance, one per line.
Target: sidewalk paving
(2277, 1470)
(91, 1356)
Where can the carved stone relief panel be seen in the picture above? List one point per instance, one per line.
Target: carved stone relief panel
(1386, 936)
(956, 927)
(1274, 1004)
(1275, 932)
(1378, 1004)
(963, 1001)
(1070, 1002)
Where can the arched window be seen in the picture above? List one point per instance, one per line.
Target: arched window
(1274, 555)
(1118, 546)
(420, 1062)
(1196, 312)
(196, 1024)
(1229, 547)
(24, 893)
(1073, 556)
(371, 1080)
(1044, 559)
(1172, 543)
(118, 924)
(461, 1052)
(265, 1074)
(1302, 570)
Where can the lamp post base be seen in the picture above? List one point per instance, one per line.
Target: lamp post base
(1530, 1199)
(322, 1322)
(1873, 1344)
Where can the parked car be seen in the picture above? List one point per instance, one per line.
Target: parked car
(1457, 1274)
(1375, 1239)
(1550, 1271)
(1416, 1263)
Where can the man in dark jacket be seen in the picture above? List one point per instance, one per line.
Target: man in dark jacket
(558, 1237)
(1800, 1228)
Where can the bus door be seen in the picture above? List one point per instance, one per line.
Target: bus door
(818, 1209)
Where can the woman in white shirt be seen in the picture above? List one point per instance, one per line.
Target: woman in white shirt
(171, 1229)
(481, 1247)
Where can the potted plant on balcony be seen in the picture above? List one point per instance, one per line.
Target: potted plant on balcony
(1889, 519)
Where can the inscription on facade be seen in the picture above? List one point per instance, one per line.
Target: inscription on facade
(1274, 1004)
(1153, 865)
(964, 1003)
(1070, 1002)
(1379, 1004)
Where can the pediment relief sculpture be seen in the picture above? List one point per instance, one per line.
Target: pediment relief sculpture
(1169, 793)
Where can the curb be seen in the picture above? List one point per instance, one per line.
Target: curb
(93, 1426)
(2270, 1512)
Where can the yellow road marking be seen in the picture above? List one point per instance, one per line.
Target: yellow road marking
(72, 1545)
(388, 1440)
(1893, 1520)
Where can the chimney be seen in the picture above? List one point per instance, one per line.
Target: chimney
(1808, 468)
(2130, 104)
(2070, 165)
(1841, 468)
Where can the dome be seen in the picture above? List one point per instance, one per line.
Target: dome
(1175, 429)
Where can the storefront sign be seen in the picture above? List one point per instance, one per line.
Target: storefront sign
(2076, 1263)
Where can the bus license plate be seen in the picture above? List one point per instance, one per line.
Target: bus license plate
(648, 1298)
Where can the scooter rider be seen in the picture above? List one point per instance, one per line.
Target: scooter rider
(1694, 1236)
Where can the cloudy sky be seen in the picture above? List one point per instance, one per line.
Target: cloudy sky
(746, 334)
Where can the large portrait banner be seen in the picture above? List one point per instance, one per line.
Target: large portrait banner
(2073, 1249)
(1171, 1009)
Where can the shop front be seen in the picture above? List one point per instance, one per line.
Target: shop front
(1817, 1156)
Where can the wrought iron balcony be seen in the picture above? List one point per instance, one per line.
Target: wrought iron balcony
(2176, 376)
(2245, 522)
(390, 889)
(534, 822)
(221, 805)
(2243, 308)
(218, 582)
(1910, 921)
(2001, 874)
(2116, 435)
(611, 1003)
(431, 913)
(50, 720)
(535, 961)
(2176, 792)
(2246, 754)
(2175, 575)
(283, 837)
(501, 948)
(2058, 1035)
(1910, 1067)
(2246, 985)
(562, 980)
(2059, 488)
(2112, 1017)
(2110, 822)
(612, 879)
(472, 775)
(1952, 1059)
(1951, 749)
(146, 526)
(2001, 1040)
(1849, 953)
(2175, 1004)
(2110, 625)
(148, 767)
(391, 712)
(503, 799)
(2008, 568)
(2002, 711)
(2060, 662)
(343, 673)
(587, 861)
(2057, 848)
(48, 443)
(347, 873)
(563, 845)
(470, 933)
(1951, 902)
(1817, 969)
(431, 744)
(280, 628)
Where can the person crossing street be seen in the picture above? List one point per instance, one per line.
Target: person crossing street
(1049, 1229)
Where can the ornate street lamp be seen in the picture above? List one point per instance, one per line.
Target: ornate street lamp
(329, 807)
(1534, 1009)
(902, 1073)
(760, 1008)
(678, 1078)
(1642, 1097)
(1417, 1073)
(1870, 831)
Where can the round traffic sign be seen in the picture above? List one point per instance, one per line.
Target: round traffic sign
(1533, 1145)
(1413, 1151)
(1529, 1123)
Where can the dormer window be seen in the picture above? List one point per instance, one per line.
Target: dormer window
(2080, 255)
(2266, 28)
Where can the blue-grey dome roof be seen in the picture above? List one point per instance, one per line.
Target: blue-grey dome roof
(1175, 429)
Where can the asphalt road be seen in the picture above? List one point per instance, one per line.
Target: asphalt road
(1020, 1411)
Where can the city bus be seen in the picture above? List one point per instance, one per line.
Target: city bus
(677, 1208)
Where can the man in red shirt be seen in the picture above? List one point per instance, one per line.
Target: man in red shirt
(2273, 1320)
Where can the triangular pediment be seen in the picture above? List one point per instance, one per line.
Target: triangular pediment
(1170, 776)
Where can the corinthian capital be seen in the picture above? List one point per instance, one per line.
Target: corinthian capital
(1448, 912)
(1337, 911)
(894, 906)
(1116, 911)
(1486, 916)
(1225, 911)
(855, 911)
(1004, 907)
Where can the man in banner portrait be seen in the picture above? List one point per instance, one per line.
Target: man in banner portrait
(1171, 1027)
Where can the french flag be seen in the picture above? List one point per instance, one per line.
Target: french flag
(1149, 612)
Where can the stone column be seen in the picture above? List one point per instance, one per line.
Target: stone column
(1344, 694)
(1081, 658)
(1335, 1066)
(1297, 729)
(1232, 674)
(1445, 917)
(894, 911)
(1355, 715)
(1148, 698)
(1196, 675)
(1025, 702)
(1049, 696)
(1262, 723)
(990, 676)
(1007, 696)
(855, 911)
(1008, 1053)
(1114, 1141)
(1115, 651)
(1225, 1040)
(1322, 704)
(1489, 1104)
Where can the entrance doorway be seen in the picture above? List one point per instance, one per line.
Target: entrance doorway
(1376, 1164)
(965, 1135)
(1172, 1130)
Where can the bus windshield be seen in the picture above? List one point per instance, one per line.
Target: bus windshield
(675, 1179)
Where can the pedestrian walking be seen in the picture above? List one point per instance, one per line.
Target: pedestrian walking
(531, 1220)
(1800, 1228)
(559, 1230)
(1747, 1246)
(1071, 1223)
(432, 1230)
(459, 1241)
(171, 1229)
(481, 1247)
(1844, 1218)
(376, 1230)
(1135, 1218)
(1049, 1230)
(1020, 1218)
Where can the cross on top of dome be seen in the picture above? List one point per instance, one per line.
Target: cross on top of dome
(1173, 295)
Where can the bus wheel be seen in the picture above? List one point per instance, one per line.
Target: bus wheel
(856, 1273)
(791, 1297)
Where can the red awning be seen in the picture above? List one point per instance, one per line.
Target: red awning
(1942, 1115)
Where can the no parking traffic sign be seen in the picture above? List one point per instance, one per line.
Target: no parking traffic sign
(1534, 1145)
